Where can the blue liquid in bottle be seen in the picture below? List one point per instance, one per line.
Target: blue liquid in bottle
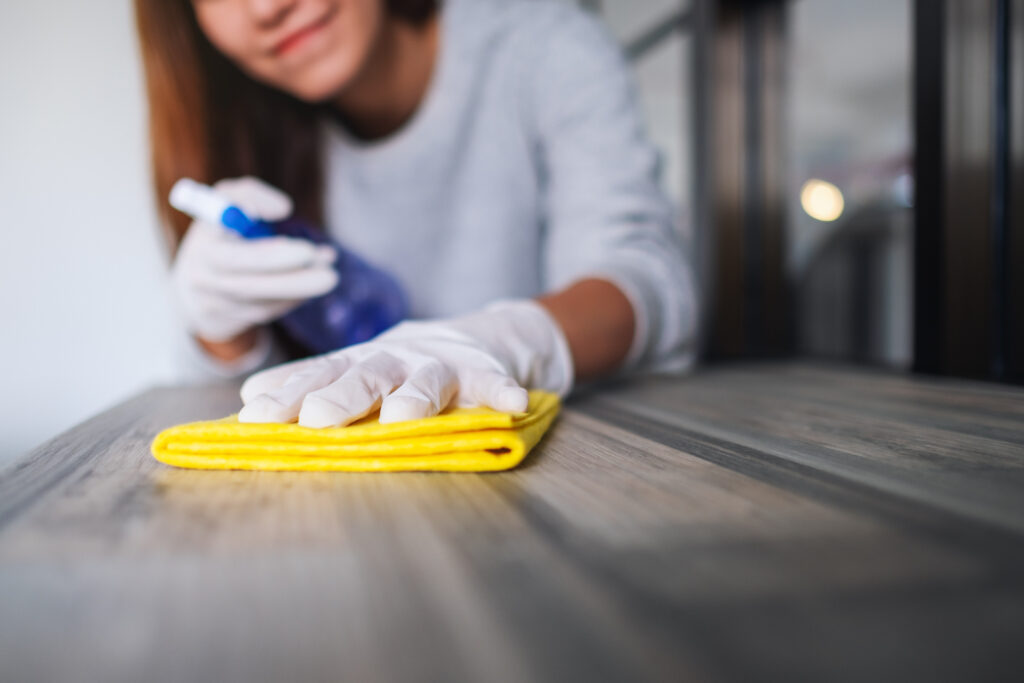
(365, 302)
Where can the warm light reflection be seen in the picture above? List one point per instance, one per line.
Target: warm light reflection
(821, 200)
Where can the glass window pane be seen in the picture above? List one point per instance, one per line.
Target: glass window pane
(850, 219)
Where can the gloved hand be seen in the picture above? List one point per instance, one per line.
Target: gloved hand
(224, 284)
(417, 368)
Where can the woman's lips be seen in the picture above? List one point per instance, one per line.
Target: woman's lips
(293, 40)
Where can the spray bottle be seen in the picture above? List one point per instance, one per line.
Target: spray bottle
(365, 302)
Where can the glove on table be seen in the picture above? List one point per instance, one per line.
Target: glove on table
(416, 369)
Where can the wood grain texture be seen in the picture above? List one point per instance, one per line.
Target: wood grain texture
(752, 522)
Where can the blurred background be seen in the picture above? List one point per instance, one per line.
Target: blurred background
(787, 130)
(85, 308)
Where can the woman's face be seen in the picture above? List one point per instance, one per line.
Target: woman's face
(309, 48)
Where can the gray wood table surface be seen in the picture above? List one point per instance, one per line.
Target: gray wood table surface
(750, 522)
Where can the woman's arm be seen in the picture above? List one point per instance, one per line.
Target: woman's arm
(598, 322)
(595, 316)
(195, 362)
(606, 216)
(232, 349)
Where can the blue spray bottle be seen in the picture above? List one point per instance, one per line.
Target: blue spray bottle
(365, 302)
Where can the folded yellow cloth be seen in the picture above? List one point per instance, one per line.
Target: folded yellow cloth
(457, 440)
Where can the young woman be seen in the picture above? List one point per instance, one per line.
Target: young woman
(487, 153)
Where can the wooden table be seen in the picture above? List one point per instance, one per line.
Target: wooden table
(773, 522)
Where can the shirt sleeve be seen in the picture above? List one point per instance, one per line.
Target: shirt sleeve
(606, 215)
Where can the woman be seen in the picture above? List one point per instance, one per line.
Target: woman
(488, 153)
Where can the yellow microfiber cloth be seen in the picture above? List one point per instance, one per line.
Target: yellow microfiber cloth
(456, 440)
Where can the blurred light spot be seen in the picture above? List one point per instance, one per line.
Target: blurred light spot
(821, 200)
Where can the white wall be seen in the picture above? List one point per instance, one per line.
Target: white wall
(85, 315)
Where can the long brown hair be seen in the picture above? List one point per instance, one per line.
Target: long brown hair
(209, 120)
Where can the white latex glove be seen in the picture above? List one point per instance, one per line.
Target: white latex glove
(224, 284)
(417, 368)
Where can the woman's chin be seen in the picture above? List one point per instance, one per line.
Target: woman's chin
(313, 93)
(319, 84)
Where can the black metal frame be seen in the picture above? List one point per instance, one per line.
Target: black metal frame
(929, 247)
(968, 232)
(740, 82)
(1013, 262)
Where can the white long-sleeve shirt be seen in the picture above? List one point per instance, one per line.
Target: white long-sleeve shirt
(524, 169)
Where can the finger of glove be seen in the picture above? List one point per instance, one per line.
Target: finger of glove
(203, 303)
(256, 198)
(284, 403)
(358, 392)
(427, 391)
(218, 330)
(268, 380)
(242, 315)
(265, 255)
(293, 285)
(493, 389)
(220, 327)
